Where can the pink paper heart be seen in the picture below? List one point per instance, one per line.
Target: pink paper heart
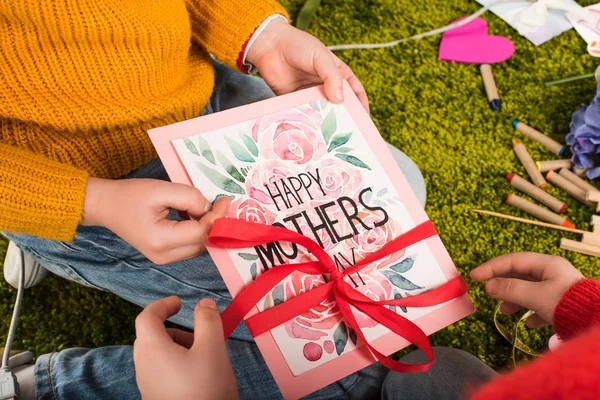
(471, 44)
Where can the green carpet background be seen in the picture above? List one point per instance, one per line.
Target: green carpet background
(438, 114)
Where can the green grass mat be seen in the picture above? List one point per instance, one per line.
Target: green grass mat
(438, 114)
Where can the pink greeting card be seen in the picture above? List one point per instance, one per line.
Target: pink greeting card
(320, 169)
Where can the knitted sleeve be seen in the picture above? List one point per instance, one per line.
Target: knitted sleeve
(578, 310)
(223, 27)
(39, 196)
(570, 372)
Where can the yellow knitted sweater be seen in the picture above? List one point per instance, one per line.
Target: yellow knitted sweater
(81, 81)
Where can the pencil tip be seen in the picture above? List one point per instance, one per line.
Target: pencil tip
(563, 151)
(568, 224)
(515, 123)
(495, 104)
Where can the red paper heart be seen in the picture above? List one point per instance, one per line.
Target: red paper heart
(471, 44)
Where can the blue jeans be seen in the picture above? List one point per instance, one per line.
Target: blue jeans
(100, 259)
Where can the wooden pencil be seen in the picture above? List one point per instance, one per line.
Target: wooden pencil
(578, 247)
(532, 222)
(529, 188)
(536, 176)
(539, 137)
(591, 239)
(553, 165)
(569, 187)
(490, 86)
(570, 176)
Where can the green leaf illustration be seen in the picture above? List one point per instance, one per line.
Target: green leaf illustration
(329, 126)
(399, 296)
(352, 335)
(400, 281)
(382, 192)
(253, 271)
(306, 14)
(222, 182)
(230, 168)
(250, 145)
(190, 145)
(268, 302)
(205, 149)
(352, 160)
(368, 196)
(238, 151)
(248, 256)
(224, 195)
(379, 203)
(324, 103)
(344, 150)
(314, 105)
(340, 338)
(278, 295)
(404, 265)
(339, 140)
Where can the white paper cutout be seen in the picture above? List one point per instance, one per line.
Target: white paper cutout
(537, 21)
(589, 29)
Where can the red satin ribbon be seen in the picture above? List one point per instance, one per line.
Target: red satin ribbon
(235, 233)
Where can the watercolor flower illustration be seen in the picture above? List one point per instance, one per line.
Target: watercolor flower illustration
(338, 179)
(251, 210)
(316, 322)
(267, 173)
(291, 135)
(377, 288)
(369, 241)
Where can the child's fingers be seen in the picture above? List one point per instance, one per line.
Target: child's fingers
(150, 323)
(326, 67)
(208, 328)
(524, 263)
(535, 321)
(508, 308)
(184, 198)
(514, 291)
(354, 83)
(185, 339)
(185, 239)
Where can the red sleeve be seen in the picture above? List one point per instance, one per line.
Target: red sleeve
(570, 372)
(578, 310)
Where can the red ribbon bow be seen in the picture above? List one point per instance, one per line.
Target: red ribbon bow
(235, 233)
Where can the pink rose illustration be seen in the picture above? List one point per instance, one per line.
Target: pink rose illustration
(338, 178)
(369, 241)
(377, 288)
(269, 173)
(291, 135)
(250, 210)
(314, 323)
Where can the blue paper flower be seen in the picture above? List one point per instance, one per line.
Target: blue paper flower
(584, 137)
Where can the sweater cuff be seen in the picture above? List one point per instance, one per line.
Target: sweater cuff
(578, 310)
(245, 66)
(222, 27)
(39, 197)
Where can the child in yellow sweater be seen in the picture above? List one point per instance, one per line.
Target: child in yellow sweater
(81, 189)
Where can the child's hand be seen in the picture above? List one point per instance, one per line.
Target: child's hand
(173, 364)
(530, 280)
(289, 59)
(137, 210)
